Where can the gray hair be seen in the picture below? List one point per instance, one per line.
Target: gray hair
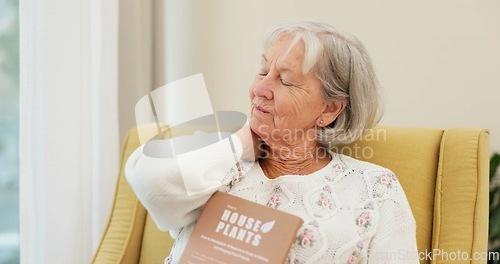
(341, 63)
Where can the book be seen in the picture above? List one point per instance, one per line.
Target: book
(233, 230)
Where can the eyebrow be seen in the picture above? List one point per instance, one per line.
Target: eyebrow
(263, 57)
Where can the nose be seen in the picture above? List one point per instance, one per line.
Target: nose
(263, 88)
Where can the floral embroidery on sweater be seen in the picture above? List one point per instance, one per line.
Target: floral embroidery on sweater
(274, 201)
(339, 168)
(364, 219)
(306, 238)
(324, 201)
(352, 259)
(386, 179)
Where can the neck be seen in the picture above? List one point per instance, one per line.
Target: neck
(301, 160)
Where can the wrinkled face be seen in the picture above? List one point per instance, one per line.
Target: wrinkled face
(284, 100)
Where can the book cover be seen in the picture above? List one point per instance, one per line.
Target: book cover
(234, 230)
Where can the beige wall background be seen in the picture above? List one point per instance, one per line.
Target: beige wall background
(437, 61)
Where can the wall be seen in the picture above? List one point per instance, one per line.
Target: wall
(438, 61)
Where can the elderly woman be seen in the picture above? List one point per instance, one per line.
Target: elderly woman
(316, 88)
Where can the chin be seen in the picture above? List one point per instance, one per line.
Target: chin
(260, 128)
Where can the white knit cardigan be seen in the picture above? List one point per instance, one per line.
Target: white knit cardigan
(353, 211)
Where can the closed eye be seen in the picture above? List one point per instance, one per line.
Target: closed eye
(285, 83)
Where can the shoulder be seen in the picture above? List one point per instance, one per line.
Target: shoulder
(359, 165)
(382, 192)
(380, 182)
(383, 188)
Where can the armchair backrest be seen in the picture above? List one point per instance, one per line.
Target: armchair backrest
(443, 173)
(445, 177)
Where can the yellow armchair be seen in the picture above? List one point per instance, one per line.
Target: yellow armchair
(444, 174)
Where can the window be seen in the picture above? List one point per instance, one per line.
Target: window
(9, 131)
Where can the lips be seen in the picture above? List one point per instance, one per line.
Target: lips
(260, 109)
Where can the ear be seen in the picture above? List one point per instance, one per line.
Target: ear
(330, 113)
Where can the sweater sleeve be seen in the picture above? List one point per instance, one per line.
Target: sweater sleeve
(173, 190)
(395, 237)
